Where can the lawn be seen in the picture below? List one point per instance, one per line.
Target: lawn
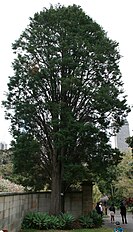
(103, 229)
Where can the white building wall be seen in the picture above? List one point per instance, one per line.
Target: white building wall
(120, 139)
(3, 146)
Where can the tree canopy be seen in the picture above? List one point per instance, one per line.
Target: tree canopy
(117, 183)
(65, 95)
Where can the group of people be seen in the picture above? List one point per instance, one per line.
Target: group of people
(99, 210)
(122, 212)
(112, 215)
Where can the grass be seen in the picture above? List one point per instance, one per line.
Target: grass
(102, 229)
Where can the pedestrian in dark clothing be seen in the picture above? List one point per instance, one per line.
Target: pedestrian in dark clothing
(98, 208)
(112, 213)
(123, 213)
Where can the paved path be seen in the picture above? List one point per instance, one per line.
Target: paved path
(128, 227)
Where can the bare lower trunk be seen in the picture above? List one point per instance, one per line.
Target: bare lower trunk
(55, 206)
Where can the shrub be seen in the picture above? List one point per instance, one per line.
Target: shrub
(86, 221)
(50, 222)
(76, 224)
(37, 220)
(97, 219)
(28, 221)
(93, 219)
(66, 221)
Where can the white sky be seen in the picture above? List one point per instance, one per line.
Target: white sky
(115, 16)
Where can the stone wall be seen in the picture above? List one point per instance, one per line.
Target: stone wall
(13, 206)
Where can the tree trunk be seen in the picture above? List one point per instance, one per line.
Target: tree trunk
(55, 205)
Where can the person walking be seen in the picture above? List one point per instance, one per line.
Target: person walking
(101, 208)
(98, 208)
(112, 213)
(123, 213)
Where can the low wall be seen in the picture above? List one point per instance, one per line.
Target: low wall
(13, 206)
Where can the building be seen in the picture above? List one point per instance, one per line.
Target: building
(3, 146)
(120, 138)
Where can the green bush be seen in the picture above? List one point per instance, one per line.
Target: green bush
(97, 219)
(86, 221)
(34, 220)
(28, 221)
(51, 222)
(92, 220)
(37, 220)
(66, 221)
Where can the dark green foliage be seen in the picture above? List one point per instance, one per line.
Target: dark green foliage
(129, 141)
(97, 219)
(28, 220)
(107, 183)
(28, 167)
(118, 181)
(66, 221)
(6, 164)
(65, 93)
(92, 220)
(53, 222)
(86, 221)
(37, 220)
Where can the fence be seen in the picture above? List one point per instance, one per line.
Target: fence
(13, 206)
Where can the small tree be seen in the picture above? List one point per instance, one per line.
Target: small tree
(65, 93)
(129, 141)
(6, 164)
(117, 183)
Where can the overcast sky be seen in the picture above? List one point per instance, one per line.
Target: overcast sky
(115, 16)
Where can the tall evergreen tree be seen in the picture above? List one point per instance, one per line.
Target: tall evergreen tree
(65, 92)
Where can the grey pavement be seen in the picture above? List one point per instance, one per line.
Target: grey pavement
(127, 227)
